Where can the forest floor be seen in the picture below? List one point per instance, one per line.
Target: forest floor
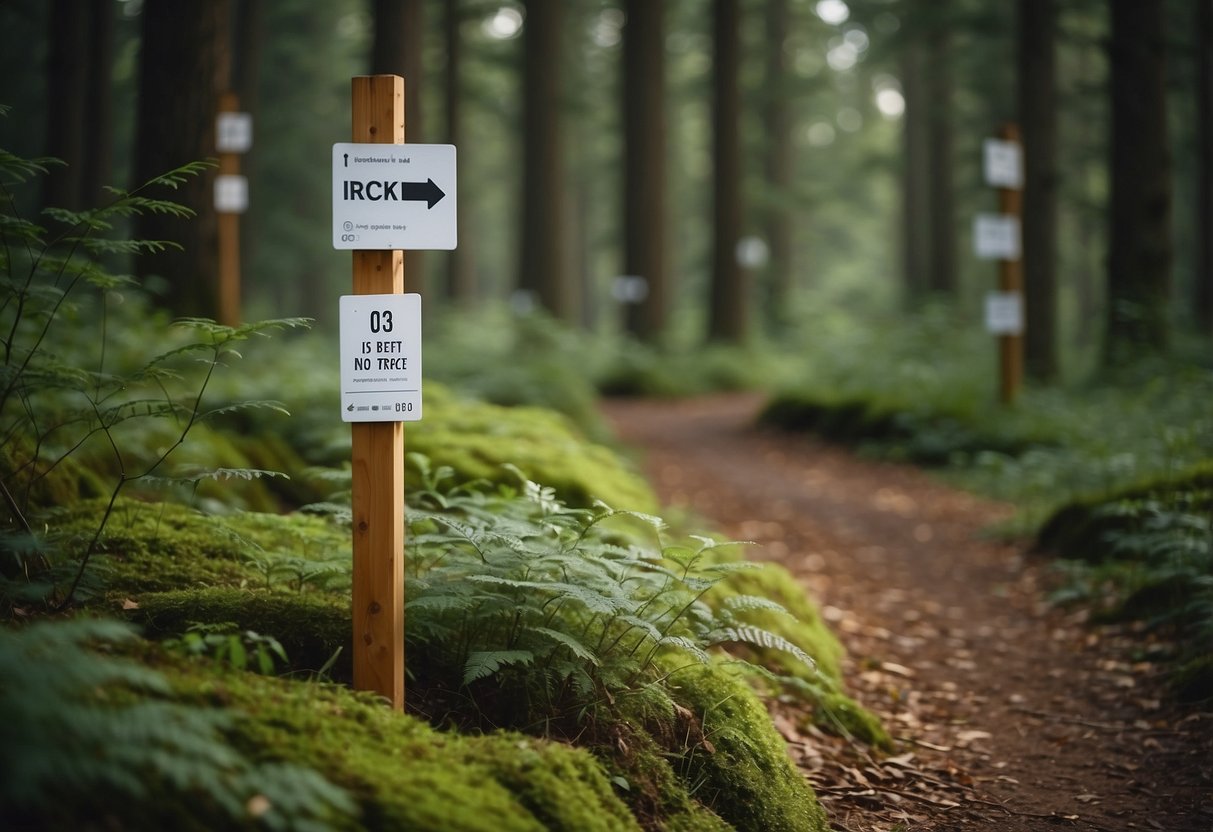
(1008, 713)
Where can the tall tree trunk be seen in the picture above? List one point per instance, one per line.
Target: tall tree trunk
(99, 106)
(1038, 123)
(396, 49)
(728, 307)
(941, 274)
(1140, 248)
(915, 258)
(184, 65)
(248, 42)
(1203, 298)
(66, 109)
(644, 132)
(543, 230)
(779, 166)
(461, 277)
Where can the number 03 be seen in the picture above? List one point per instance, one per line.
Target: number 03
(381, 321)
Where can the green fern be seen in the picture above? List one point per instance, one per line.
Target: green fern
(539, 612)
(481, 664)
(82, 730)
(65, 396)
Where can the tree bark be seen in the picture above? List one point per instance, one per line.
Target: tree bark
(543, 230)
(644, 132)
(461, 277)
(1140, 248)
(779, 167)
(1038, 123)
(67, 86)
(1203, 297)
(99, 109)
(728, 305)
(397, 49)
(915, 258)
(941, 273)
(184, 66)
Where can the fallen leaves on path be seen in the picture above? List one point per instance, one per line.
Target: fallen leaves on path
(1008, 714)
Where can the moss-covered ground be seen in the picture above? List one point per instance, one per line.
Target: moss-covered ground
(714, 762)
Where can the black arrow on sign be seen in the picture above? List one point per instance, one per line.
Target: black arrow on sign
(426, 192)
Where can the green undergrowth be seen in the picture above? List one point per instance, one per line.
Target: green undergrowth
(523, 614)
(654, 687)
(139, 736)
(1145, 553)
(907, 429)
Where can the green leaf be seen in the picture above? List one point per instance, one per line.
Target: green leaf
(565, 640)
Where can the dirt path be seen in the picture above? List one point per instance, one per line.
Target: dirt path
(1009, 715)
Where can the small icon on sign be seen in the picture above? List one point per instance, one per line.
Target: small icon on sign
(347, 159)
(374, 407)
(350, 408)
(348, 226)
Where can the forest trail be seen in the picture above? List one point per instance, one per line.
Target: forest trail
(1009, 714)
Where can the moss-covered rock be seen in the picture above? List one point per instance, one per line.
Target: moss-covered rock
(404, 774)
(743, 772)
(1080, 528)
(476, 439)
(150, 547)
(310, 627)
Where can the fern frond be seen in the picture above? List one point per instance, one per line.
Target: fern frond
(758, 637)
(567, 641)
(482, 664)
(247, 474)
(751, 603)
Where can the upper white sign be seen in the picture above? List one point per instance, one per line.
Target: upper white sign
(233, 132)
(1003, 163)
(394, 196)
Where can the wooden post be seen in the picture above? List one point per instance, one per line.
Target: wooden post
(378, 454)
(229, 233)
(1010, 280)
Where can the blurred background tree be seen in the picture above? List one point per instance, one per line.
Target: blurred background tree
(839, 141)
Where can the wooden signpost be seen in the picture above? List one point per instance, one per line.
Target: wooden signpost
(1004, 169)
(233, 137)
(387, 196)
(378, 452)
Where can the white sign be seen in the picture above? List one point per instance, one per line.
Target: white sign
(1003, 163)
(394, 196)
(233, 132)
(1004, 313)
(996, 236)
(381, 358)
(630, 288)
(231, 194)
(752, 252)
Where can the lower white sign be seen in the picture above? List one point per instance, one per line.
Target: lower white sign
(231, 194)
(381, 358)
(1004, 313)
